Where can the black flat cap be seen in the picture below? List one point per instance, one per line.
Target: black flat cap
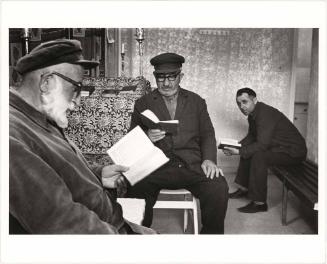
(167, 62)
(52, 53)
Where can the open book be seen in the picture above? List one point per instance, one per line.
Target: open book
(228, 142)
(136, 151)
(150, 120)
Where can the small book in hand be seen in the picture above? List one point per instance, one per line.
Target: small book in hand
(228, 142)
(136, 151)
(150, 120)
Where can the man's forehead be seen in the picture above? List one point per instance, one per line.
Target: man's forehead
(67, 67)
(243, 96)
(73, 69)
(167, 74)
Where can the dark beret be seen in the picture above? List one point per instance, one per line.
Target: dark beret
(52, 53)
(167, 62)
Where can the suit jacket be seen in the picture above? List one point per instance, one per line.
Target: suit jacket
(269, 129)
(195, 140)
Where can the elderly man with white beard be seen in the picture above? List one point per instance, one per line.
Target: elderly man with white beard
(52, 189)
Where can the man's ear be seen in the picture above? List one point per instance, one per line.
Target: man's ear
(46, 83)
(255, 100)
(181, 75)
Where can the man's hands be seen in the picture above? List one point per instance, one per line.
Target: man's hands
(112, 176)
(156, 134)
(210, 169)
(231, 151)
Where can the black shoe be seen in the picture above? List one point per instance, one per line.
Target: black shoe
(237, 194)
(253, 208)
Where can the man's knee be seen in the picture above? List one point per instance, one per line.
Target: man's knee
(222, 184)
(217, 189)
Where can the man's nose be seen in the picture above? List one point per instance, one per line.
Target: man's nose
(166, 82)
(78, 100)
(75, 102)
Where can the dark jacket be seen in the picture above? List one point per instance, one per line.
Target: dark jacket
(269, 129)
(52, 190)
(195, 141)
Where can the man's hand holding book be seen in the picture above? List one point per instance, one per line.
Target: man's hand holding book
(156, 134)
(229, 151)
(150, 120)
(229, 146)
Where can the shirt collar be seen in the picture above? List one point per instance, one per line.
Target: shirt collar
(28, 110)
(255, 111)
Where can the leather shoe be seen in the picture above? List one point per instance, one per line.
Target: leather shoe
(237, 194)
(253, 208)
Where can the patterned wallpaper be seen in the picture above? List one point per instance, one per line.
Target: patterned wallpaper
(220, 61)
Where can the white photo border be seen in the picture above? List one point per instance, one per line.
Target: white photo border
(163, 248)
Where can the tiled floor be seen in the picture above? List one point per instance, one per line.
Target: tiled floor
(300, 220)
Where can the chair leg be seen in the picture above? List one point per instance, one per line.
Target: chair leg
(195, 217)
(284, 204)
(185, 219)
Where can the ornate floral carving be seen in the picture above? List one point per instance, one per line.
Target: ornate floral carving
(100, 121)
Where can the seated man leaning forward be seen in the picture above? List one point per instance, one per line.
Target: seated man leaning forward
(192, 152)
(52, 189)
(271, 140)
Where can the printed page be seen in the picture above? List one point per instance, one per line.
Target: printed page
(149, 114)
(146, 165)
(131, 147)
(228, 142)
(136, 151)
(170, 121)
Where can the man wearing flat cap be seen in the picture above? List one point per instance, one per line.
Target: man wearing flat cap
(52, 189)
(192, 152)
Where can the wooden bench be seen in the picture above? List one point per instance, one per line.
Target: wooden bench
(302, 180)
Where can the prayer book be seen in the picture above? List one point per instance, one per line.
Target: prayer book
(150, 120)
(136, 151)
(228, 142)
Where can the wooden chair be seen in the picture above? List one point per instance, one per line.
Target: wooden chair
(178, 204)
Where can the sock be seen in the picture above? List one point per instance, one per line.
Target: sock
(243, 188)
(259, 203)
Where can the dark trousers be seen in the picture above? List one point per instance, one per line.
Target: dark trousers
(252, 172)
(212, 193)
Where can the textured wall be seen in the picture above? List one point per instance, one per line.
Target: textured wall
(312, 128)
(219, 62)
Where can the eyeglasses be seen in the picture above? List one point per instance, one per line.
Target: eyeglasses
(171, 77)
(78, 85)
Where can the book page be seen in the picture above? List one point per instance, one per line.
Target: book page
(229, 141)
(136, 151)
(149, 114)
(146, 165)
(170, 121)
(131, 147)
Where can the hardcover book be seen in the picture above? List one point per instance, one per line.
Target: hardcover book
(150, 120)
(228, 142)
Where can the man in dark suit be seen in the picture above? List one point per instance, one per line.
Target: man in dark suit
(192, 152)
(271, 140)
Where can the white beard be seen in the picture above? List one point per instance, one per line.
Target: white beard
(55, 107)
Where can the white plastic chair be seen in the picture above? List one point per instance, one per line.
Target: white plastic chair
(133, 209)
(186, 205)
